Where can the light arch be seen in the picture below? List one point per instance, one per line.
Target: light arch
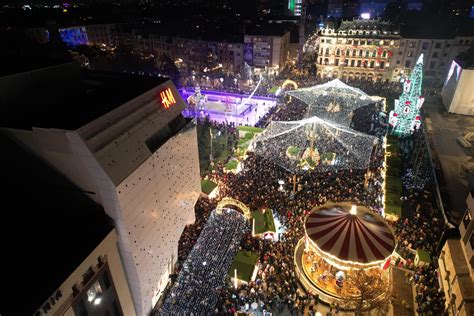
(233, 202)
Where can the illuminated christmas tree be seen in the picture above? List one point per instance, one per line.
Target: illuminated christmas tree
(405, 118)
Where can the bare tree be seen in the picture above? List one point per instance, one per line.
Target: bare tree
(373, 292)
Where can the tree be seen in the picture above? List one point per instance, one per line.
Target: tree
(167, 67)
(405, 118)
(373, 291)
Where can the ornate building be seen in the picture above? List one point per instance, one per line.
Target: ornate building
(358, 49)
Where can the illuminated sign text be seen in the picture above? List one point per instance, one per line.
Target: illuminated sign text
(167, 98)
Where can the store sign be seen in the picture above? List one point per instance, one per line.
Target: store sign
(167, 98)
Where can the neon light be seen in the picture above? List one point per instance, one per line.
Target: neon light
(167, 98)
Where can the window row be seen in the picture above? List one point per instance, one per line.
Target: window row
(354, 63)
(356, 53)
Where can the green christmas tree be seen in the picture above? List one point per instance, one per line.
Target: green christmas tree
(405, 118)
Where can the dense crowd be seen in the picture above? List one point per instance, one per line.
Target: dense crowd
(333, 147)
(276, 287)
(205, 269)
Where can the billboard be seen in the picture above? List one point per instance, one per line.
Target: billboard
(248, 53)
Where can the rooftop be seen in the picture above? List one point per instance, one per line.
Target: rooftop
(360, 24)
(66, 97)
(49, 228)
(466, 58)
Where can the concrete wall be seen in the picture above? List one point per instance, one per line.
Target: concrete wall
(157, 201)
(463, 99)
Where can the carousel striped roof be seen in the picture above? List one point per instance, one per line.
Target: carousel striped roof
(362, 238)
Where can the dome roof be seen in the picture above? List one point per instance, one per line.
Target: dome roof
(357, 239)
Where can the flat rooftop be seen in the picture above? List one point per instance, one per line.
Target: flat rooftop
(448, 154)
(48, 227)
(65, 96)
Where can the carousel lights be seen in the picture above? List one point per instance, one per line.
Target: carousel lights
(353, 210)
(346, 264)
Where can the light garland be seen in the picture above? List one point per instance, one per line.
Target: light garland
(405, 118)
(333, 101)
(333, 146)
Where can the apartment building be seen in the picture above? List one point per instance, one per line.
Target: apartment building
(358, 49)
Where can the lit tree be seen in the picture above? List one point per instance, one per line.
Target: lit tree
(405, 118)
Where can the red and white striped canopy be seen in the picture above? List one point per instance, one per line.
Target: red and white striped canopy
(361, 238)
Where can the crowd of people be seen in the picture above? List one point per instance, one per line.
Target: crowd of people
(204, 271)
(276, 287)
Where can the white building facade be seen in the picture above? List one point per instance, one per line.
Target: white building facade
(373, 49)
(358, 49)
(140, 162)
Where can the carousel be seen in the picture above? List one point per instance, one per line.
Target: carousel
(341, 239)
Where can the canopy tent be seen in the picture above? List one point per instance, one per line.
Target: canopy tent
(314, 143)
(349, 237)
(333, 101)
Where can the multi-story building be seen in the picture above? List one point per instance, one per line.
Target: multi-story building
(358, 49)
(198, 55)
(438, 54)
(456, 266)
(267, 49)
(375, 49)
(123, 140)
(73, 264)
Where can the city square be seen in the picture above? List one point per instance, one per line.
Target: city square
(257, 157)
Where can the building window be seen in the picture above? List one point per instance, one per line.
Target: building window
(359, 62)
(326, 61)
(322, 40)
(432, 64)
(410, 54)
(374, 53)
(407, 63)
(320, 60)
(348, 52)
(349, 41)
(360, 52)
(338, 52)
(346, 62)
(352, 63)
(356, 43)
(382, 65)
(438, 45)
(353, 53)
(336, 63)
(384, 54)
(372, 64)
(327, 51)
(367, 53)
(425, 45)
(435, 55)
(362, 42)
(411, 45)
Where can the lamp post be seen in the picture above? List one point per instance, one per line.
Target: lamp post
(294, 180)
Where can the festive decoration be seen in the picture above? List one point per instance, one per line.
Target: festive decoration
(405, 118)
(314, 144)
(333, 101)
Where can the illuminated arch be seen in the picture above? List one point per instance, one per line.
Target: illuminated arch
(288, 82)
(230, 201)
